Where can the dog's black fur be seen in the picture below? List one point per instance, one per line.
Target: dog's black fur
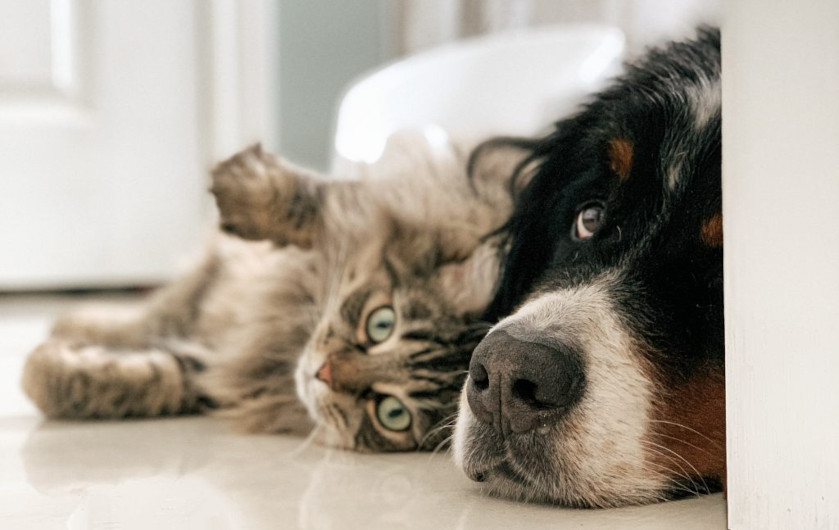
(682, 275)
(646, 151)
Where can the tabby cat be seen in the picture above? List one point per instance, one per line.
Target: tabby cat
(364, 295)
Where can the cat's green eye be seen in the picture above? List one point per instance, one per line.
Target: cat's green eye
(393, 414)
(380, 324)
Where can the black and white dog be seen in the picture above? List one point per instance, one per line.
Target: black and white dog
(605, 385)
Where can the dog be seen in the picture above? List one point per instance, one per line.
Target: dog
(605, 384)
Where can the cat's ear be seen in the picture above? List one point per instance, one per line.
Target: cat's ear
(469, 284)
(260, 196)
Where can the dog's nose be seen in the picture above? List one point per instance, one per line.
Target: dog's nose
(518, 386)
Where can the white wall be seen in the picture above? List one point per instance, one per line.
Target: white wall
(323, 46)
(111, 113)
(781, 207)
(427, 23)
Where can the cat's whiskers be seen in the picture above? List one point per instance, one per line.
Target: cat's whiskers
(444, 444)
(445, 425)
(307, 441)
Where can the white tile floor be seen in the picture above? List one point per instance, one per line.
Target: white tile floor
(194, 473)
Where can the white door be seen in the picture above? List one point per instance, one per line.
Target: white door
(110, 116)
(780, 196)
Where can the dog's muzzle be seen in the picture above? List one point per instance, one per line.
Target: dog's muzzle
(519, 386)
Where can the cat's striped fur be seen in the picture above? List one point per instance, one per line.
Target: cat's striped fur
(291, 307)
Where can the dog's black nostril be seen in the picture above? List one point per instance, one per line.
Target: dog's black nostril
(479, 477)
(482, 396)
(479, 376)
(525, 391)
(519, 385)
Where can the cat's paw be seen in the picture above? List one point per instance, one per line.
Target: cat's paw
(261, 197)
(71, 380)
(244, 192)
(54, 379)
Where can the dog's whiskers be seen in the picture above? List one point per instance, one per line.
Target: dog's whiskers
(685, 442)
(685, 427)
(668, 473)
(679, 458)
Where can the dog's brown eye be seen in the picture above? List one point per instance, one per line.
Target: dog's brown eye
(588, 221)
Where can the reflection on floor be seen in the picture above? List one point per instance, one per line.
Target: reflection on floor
(196, 473)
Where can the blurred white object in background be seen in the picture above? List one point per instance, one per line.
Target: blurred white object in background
(506, 84)
(110, 115)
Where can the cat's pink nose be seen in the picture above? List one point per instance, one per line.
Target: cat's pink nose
(324, 374)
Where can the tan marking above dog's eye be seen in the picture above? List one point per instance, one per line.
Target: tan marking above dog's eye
(711, 231)
(620, 152)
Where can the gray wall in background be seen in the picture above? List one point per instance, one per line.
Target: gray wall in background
(324, 45)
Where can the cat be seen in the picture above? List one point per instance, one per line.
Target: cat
(350, 306)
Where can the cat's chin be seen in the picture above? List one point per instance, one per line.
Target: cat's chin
(304, 383)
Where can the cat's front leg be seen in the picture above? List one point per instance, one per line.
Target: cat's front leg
(83, 381)
(260, 196)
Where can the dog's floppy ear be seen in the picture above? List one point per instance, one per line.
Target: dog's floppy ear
(260, 196)
(534, 186)
(469, 284)
(500, 168)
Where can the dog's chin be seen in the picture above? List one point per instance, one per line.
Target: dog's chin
(508, 487)
(552, 466)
